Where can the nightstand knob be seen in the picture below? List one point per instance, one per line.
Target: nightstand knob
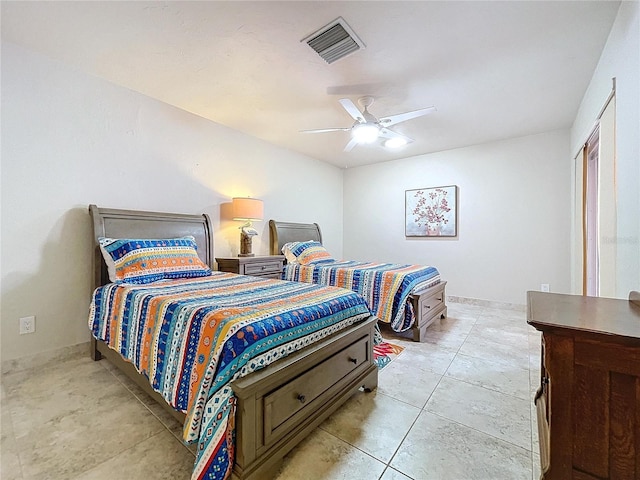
(302, 398)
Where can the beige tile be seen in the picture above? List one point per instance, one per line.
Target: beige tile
(168, 420)
(501, 377)
(409, 380)
(373, 422)
(72, 388)
(535, 357)
(499, 334)
(481, 347)
(160, 457)
(321, 456)
(10, 468)
(535, 446)
(519, 315)
(502, 416)
(50, 374)
(54, 357)
(75, 440)
(6, 425)
(451, 339)
(505, 320)
(391, 474)
(461, 310)
(460, 304)
(535, 339)
(58, 408)
(537, 470)
(454, 323)
(439, 449)
(426, 356)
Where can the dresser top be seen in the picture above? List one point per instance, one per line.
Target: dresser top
(254, 259)
(605, 316)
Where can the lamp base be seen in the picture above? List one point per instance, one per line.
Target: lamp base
(245, 245)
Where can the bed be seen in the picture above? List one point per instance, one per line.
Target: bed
(417, 297)
(267, 390)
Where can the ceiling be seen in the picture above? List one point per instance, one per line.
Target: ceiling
(494, 70)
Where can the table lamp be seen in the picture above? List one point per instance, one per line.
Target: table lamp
(247, 210)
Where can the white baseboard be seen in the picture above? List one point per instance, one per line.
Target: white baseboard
(487, 303)
(43, 358)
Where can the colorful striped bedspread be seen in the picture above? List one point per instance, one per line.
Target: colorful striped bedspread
(192, 337)
(385, 286)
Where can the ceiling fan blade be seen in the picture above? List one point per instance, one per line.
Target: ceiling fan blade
(349, 146)
(386, 133)
(352, 110)
(323, 130)
(403, 117)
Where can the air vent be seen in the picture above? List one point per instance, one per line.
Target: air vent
(334, 41)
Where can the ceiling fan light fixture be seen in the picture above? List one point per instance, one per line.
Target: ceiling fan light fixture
(395, 142)
(365, 132)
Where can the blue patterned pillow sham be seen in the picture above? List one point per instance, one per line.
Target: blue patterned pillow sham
(306, 253)
(142, 261)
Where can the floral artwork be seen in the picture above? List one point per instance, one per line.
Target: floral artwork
(431, 212)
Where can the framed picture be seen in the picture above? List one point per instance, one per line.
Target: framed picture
(431, 212)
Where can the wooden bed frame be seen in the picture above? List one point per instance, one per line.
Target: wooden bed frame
(429, 304)
(277, 406)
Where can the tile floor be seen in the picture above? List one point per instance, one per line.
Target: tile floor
(457, 407)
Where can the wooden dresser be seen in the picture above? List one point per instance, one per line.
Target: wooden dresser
(589, 400)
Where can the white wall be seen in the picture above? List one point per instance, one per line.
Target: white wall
(620, 59)
(69, 139)
(514, 216)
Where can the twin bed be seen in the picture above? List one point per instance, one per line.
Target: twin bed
(406, 297)
(249, 365)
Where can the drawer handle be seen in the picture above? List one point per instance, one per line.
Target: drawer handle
(428, 306)
(353, 360)
(543, 382)
(302, 398)
(263, 267)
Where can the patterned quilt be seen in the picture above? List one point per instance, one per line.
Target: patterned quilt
(385, 286)
(192, 337)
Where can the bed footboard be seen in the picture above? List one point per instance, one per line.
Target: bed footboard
(429, 305)
(280, 405)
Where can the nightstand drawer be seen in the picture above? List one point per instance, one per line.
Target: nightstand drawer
(262, 268)
(268, 266)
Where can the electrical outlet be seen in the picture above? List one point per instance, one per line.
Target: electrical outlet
(544, 287)
(27, 325)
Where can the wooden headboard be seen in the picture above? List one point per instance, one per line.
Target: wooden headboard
(115, 223)
(284, 232)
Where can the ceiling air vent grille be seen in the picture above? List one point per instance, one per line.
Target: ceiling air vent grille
(334, 41)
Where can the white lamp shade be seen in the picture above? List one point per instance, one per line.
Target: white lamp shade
(245, 208)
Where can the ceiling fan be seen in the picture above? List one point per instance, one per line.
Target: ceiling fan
(367, 128)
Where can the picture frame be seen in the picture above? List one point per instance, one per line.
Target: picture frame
(431, 212)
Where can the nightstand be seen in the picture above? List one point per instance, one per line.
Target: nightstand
(267, 266)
